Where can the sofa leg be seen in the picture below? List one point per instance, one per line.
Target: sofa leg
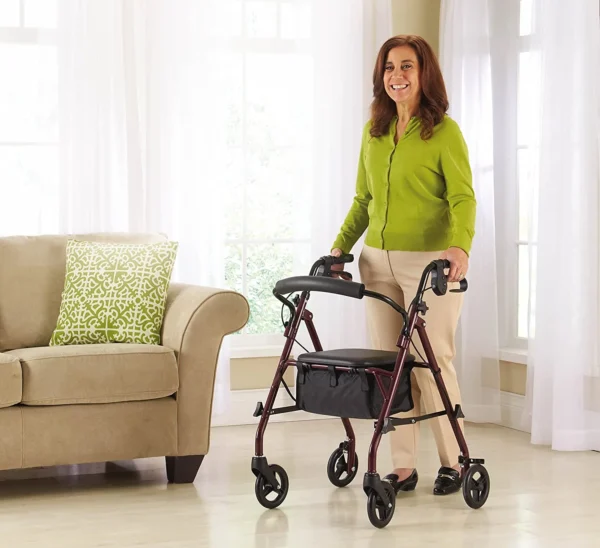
(183, 469)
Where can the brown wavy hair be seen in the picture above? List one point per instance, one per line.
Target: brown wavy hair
(434, 99)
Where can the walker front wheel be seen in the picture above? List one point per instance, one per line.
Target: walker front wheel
(271, 496)
(380, 511)
(476, 486)
(337, 466)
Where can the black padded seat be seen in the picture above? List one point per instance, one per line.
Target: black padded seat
(353, 357)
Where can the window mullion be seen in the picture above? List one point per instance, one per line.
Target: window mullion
(244, 122)
(505, 55)
(253, 247)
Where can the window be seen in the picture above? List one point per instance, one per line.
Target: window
(527, 152)
(28, 116)
(260, 60)
(516, 74)
(265, 64)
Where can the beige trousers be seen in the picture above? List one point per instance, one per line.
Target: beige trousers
(396, 274)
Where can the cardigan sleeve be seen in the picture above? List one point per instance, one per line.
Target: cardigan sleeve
(357, 219)
(459, 188)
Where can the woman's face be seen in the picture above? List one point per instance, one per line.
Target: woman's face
(401, 76)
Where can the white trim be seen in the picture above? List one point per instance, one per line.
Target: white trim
(243, 345)
(245, 340)
(21, 13)
(514, 355)
(272, 351)
(264, 241)
(512, 409)
(480, 413)
(28, 144)
(242, 404)
(261, 45)
(19, 35)
(248, 350)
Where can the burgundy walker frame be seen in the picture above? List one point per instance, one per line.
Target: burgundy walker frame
(413, 322)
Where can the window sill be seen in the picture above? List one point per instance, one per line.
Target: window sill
(270, 351)
(514, 355)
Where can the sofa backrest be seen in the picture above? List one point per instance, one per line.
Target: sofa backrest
(32, 277)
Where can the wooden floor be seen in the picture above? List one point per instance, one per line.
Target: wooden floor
(539, 498)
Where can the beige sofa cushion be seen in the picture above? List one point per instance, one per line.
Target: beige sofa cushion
(97, 373)
(74, 434)
(11, 380)
(32, 278)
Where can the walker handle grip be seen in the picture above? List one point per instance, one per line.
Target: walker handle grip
(323, 266)
(463, 284)
(322, 284)
(347, 258)
(440, 278)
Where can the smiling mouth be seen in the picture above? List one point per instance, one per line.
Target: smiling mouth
(399, 87)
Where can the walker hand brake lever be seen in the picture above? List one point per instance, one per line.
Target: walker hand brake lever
(463, 287)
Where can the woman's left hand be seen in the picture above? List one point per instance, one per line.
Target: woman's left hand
(459, 263)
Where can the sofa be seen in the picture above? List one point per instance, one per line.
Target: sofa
(78, 404)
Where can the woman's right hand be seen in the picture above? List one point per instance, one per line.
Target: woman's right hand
(337, 267)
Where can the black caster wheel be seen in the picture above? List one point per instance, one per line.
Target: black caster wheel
(268, 495)
(337, 467)
(380, 512)
(476, 486)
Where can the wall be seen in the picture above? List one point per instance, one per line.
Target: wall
(420, 17)
(513, 377)
(255, 373)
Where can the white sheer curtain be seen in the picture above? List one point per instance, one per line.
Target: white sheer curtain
(135, 152)
(134, 155)
(348, 54)
(232, 126)
(563, 392)
(465, 55)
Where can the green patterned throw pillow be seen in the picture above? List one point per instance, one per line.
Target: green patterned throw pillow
(114, 293)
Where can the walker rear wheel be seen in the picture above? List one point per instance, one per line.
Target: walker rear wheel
(337, 466)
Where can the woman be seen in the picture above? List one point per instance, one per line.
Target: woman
(415, 199)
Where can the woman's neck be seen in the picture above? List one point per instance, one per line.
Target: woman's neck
(406, 112)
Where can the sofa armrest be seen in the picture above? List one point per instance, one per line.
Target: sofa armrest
(195, 322)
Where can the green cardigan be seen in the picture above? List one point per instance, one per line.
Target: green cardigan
(412, 196)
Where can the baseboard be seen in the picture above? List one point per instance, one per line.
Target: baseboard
(242, 403)
(512, 408)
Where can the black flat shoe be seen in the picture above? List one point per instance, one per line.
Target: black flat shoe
(447, 482)
(408, 484)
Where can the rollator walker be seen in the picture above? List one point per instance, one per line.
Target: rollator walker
(361, 384)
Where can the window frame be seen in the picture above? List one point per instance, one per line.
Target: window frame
(22, 35)
(505, 74)
(244, 344)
